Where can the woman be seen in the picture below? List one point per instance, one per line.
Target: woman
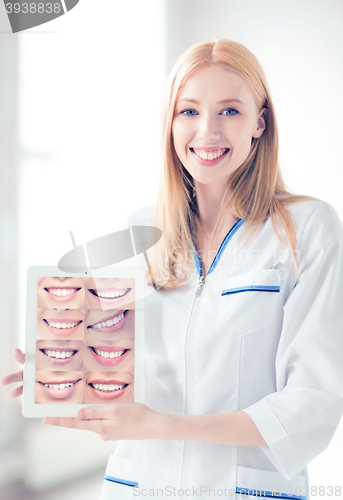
(244, 378)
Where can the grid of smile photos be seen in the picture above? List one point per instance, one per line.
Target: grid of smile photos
(85, 340)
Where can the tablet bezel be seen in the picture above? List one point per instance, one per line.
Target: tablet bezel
(31, 409)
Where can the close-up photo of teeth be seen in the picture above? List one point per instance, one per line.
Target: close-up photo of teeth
(108, 293)
(60, 324)
(59, 355)
(107, 325)
(103, 387)
(61, 292)
(109, 355)
(59, 387)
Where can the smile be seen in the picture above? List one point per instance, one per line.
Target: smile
(108, 389)
(62, 292)
(111, 323)
(58, 354)
(62, 328)
(110, 294)
(62, 325)
(109, 355)
(210, 155)
(106, 354)
(60, 389)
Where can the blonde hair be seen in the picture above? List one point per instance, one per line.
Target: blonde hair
(257, 190)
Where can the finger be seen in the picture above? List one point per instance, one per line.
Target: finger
(75, 423)
(19, 356)
(97, 412)
(13, 377)
(18, 391)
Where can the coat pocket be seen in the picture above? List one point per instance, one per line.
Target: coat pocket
(249, 301)
(269, 484)
(121, 477)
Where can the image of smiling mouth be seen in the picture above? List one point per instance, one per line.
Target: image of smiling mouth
(62, 294)
(60, 389)
(210, 155)
(108, 389)
(109, 295)
(62, 327)
(109, 355)
(111, 323)
(59, 356)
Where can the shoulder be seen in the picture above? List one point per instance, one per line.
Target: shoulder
(142, 217)
(319, 231)
(314, 215)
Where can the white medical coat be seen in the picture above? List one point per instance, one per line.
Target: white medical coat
(261, 340)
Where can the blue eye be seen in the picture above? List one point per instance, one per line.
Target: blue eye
(229, 112)
(189, 112)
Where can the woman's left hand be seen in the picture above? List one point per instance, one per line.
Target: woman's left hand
(115, 421)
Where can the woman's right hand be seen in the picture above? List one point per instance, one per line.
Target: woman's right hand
(15, 377)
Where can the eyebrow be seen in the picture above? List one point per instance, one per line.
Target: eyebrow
(224, 101)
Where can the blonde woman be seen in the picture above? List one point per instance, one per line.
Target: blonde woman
(244, 329)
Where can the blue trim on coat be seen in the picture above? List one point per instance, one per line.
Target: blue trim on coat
(125, 482)
(222, 247)
(268, 494)
(252, 288)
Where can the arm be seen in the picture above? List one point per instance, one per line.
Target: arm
(137, 421)
(299, 420)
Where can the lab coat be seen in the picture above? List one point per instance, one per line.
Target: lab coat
(258, 338)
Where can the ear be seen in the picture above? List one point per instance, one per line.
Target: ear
(261, 123)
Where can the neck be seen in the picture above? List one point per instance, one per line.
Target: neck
(210, 200)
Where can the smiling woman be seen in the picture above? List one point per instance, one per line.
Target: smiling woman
(238, 323)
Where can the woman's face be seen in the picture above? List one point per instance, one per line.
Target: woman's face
(105, 355)
(61, 292)
(108, 325)
(110, 293)
(59, 355)
(105, 387)
(59, 387)
(56, 324)
(214, 122)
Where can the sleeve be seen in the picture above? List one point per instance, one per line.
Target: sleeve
(299, 420)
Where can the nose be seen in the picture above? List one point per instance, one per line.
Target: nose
(208, 129)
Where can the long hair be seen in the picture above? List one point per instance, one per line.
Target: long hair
(257, 190)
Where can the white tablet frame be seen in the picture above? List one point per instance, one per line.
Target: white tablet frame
(32, 410)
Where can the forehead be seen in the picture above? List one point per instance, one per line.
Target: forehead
(214, 83)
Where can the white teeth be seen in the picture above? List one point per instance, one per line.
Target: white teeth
(109, 322)
(61, 325)
(59, 354)
(105, 354)
(107, 387)
(209, 156)
(60, 386)
(61, 292)
(110, 295)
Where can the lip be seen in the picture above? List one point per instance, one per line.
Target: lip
(110, 329)
(60, 393)
(61, 332)
(108, 394)
(209, 163)
(62, 298)
(109, 301)
(58, 361)
(109, 361)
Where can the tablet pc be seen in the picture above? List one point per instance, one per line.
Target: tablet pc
(84, 341)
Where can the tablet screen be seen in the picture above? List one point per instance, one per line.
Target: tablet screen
(85, 340)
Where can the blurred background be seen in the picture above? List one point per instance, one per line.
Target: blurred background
(80, 102)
